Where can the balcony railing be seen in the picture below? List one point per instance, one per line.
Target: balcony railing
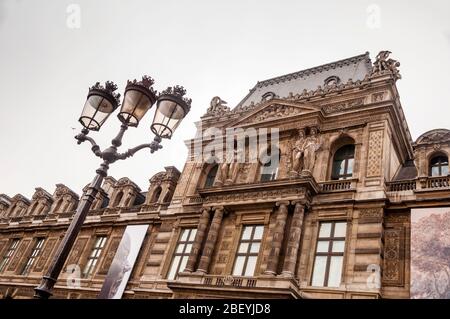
(399, 186)
(421, 183)
(229, 281)
(438, 182)
(339, 185)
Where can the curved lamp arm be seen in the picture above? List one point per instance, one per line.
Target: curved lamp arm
(82, 137)
(153, 146)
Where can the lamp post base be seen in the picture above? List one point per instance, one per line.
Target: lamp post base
(43, 291)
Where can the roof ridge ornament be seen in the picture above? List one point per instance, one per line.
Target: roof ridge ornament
(217, 107)
(385, 65)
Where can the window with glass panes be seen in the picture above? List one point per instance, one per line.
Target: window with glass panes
(329, 257)
(439, 166)
(182, 251)
(343, 163)
(94, 256)
(33, 255)
(9, 253)
(269, 169)
(248, 250)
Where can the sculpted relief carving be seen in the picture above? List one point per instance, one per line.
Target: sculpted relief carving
(304, 152)
(383, 64)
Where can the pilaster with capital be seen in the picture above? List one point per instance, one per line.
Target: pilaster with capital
(277, 240)
(295, 232)
(198, 241)
(211, 240)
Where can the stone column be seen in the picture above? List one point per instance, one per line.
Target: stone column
(210, 243)
(290, 259)
(198, 241)
(277, 239)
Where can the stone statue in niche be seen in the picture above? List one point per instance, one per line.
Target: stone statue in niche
(297, 154)
(229, 169)
(310, 148)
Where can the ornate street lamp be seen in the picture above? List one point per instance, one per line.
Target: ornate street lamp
(172, 107)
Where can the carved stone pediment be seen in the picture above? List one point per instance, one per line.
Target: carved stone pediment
(124, 182)
(20, 198)
(434, 136)
(62, 190)
(41, 193)
(273, 110)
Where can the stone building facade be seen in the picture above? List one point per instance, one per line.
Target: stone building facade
(330, 220)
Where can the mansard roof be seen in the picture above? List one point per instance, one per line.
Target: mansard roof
(354, 68)
(407, 171)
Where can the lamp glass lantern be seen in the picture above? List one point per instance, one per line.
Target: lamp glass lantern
(100, 103)
(138, 99)
(171, 109)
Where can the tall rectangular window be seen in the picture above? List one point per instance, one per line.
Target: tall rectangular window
(9, 253)
(33, 256)
(329, 259)
(182, 251)
(248, 250)
(93, 258)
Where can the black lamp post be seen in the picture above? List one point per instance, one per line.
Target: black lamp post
(101, 101)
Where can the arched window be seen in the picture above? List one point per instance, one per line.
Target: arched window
(439, 166)
(211, 176)
(156, 194)
(167, 198)
(343, 163)
(118, 199)
(58, 206)
(33, 209)
(269, 168)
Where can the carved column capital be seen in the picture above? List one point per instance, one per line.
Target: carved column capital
(282, 203)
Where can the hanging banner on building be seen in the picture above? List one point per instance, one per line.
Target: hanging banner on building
(430, 253)
(123, 262)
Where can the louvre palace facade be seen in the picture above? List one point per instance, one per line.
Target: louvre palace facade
(331, 220)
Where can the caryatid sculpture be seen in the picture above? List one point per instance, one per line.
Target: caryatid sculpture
(229, 169)
(310, 147)
(297, 154)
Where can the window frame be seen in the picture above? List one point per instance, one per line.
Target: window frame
(33, 255)
(329, 253)
(346, 159)
(442, 161)
(94, 256)
(207, 178)
(183, 253)
(9, 253)
(274, 173)
(247, 254)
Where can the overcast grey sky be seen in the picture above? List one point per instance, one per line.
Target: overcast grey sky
(48, 61)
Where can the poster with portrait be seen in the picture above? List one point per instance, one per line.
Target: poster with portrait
(122, 265)
(430, 253)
